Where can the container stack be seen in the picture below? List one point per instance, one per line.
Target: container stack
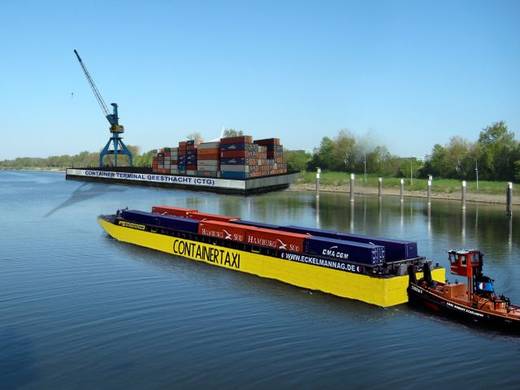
(191, 158)
(208, 159)
(274, 155)
(174, 169)
(240, 158)
(163, 162)
(182, 157)
(230, 158)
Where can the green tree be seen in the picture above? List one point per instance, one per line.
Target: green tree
(296, 160)
(497, 148)
(517, 171)
(322, 156)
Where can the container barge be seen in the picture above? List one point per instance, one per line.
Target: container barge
(146, 177)
(368, 269)
(237, 165)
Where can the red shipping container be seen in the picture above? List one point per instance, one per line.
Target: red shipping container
(224, 230)
(212, 217)
(170, 210)
(276, 239)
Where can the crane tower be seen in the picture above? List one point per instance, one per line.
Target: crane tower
(115, 144)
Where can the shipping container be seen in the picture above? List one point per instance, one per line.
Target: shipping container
(170, 210)
(394, 249)
(233, 161)
(234, 168)
(244, 139)
(234, 175)
(344, 250)
(209, 145)
(275, 239)
(224, 230)
(165, 221)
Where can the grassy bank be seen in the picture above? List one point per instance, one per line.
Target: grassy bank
(448, 186)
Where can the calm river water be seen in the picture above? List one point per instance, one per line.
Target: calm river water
(80, 310)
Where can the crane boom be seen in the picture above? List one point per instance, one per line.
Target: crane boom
(115, 128)
(90, 80)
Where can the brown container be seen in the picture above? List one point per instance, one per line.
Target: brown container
(243, 139)
(170, 210)
(224, 230)
(275, 239)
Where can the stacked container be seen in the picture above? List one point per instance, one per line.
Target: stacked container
(174, 168)
(208, 159)
(164, 160)
(230, 158)
(191, 158)
(240, 158)
(182, 157)
(274, 155)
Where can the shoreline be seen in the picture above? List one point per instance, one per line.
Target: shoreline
(455, 196)
(497, 199)
(54, 170)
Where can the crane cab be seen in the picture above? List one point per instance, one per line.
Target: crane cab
(459, 260)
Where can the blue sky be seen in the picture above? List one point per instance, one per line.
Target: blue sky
(409, 73)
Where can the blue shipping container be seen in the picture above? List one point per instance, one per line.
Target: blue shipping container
(394, 249)
(233, 161)
(233, 175)
(344, 250)
(224, 147)
(165, 221)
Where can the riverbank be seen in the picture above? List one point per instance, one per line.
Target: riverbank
(35, 169)
(371, 190)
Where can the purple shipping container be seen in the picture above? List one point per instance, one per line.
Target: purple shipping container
(165, 221)
(394, 249)
(342, 250)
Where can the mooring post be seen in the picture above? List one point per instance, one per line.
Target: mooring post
(402, 190)
(318, 172)
(429, 192)
(352, 180)
(380, 186)
(463, 194)
(509, 199)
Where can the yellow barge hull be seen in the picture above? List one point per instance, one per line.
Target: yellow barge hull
(380, 291)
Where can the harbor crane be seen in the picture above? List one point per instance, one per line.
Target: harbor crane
(115, 144)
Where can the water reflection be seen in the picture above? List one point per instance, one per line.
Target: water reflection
(85, 192)
(443, 222)
(318, 225)
(463, 226)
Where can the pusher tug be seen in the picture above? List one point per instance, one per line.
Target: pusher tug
(475, 301)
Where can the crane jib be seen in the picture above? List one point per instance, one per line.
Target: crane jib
(115, 144)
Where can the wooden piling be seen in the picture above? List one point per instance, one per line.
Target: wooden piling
(352, 180)
(318, 172)
(509, 199)
(463, 194)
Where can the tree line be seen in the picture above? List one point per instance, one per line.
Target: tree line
(495, 155)
(83, 159)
